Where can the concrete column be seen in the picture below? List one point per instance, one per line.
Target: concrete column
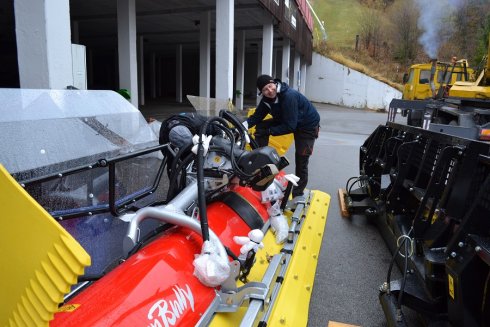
(79, 68)
(43, 44)
(302, 87)
(126, 41)
(225, 21)
(267, 44)
(205, 55)
(141, 70)
(259, 61)
(153, 74)
(115, 55)
(297, 72)
(286, 58)
(178, 74)
(90, 68)
(240, 69)
(274, 62)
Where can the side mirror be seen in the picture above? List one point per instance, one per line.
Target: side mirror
(405, 78)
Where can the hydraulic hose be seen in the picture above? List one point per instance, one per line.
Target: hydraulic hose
(348, 188)
(237, 170)
(392, 262)
(405, 272)
(388, 277)
(175, 184)
(175, 168)
(235, 122)
(201, 195)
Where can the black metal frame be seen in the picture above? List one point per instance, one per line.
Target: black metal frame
(113, 206)
(430, 192)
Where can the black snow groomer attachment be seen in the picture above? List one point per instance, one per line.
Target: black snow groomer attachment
(429, 194)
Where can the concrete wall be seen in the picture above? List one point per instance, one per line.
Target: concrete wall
(330, 82)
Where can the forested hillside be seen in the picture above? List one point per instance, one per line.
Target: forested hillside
(384, 37)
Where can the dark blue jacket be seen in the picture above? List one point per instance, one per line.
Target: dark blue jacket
(292, 111)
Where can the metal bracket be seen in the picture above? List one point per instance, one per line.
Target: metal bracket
(230, 302)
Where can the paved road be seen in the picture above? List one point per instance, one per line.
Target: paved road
(354, 259)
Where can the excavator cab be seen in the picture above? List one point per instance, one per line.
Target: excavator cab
(460, 107)
(417, 83)
(479, 89)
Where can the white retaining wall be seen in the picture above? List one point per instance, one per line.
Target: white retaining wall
(330, 82)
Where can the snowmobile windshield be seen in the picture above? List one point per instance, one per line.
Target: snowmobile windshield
(46, 131)
(64, 147)
(211, 107)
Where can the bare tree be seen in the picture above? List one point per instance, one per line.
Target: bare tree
(483, 35)
(377, 4)
(469, 23)
(370, 30)
(404, 15)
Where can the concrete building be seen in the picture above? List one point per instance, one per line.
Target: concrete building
(163, 49)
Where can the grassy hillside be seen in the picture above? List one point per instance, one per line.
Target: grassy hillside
(392, 37)
(341, 23)
(340, 17)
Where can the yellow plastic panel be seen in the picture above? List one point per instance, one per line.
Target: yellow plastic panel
(296, 289)
(300, 276)
(40, 260)
(281, 142)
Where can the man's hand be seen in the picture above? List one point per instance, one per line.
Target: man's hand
(245, 124)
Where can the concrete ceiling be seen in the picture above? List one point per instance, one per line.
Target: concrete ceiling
(163, 23)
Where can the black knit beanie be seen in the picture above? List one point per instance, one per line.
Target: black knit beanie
(262, 81)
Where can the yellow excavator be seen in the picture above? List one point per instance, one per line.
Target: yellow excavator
(458, 106)
(479, 89)
(422, 80)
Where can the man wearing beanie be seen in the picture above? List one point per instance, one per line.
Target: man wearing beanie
(291, 112)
